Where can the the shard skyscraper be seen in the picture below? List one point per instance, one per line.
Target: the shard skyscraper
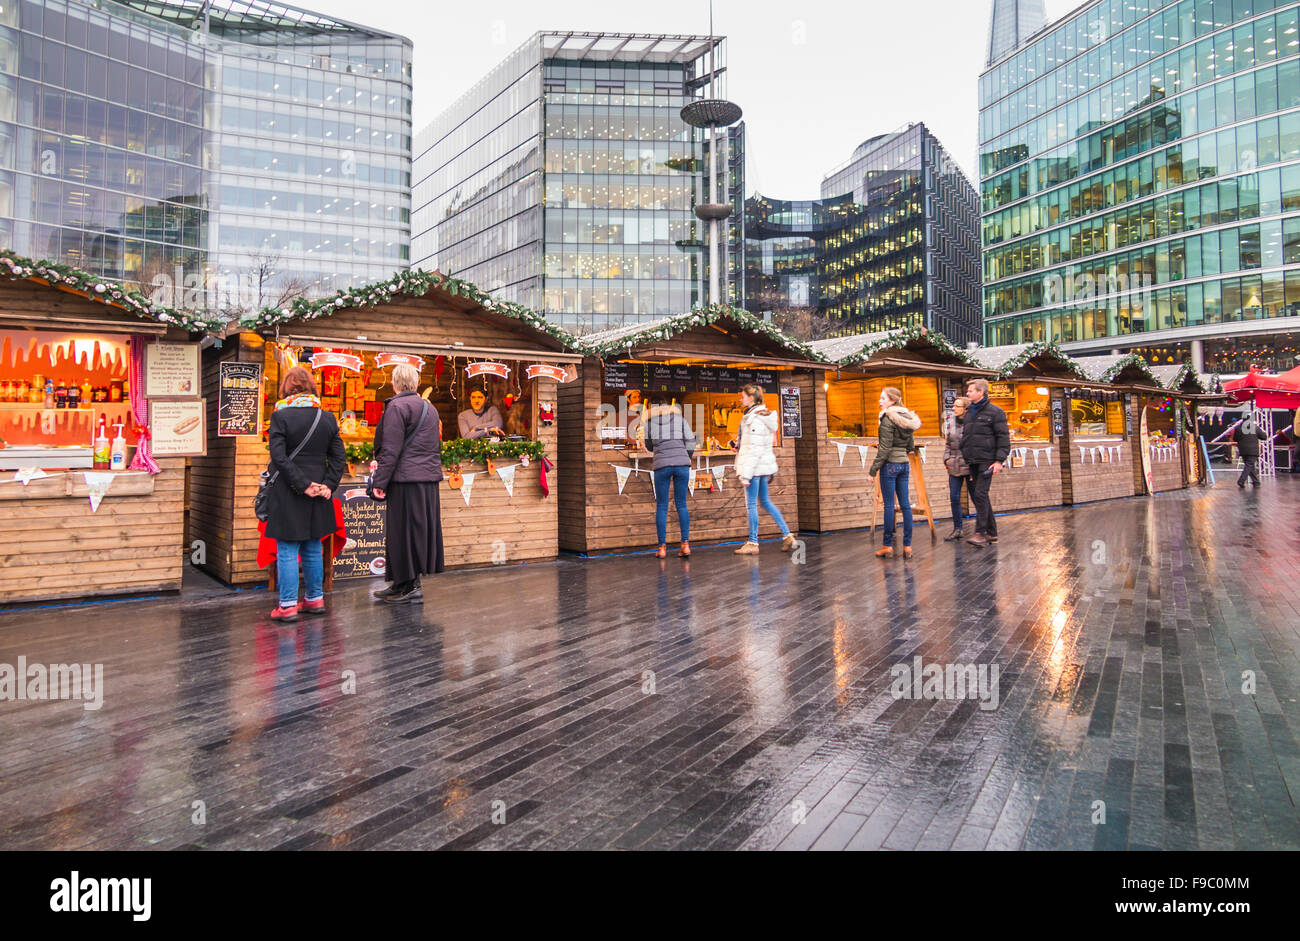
(1012, 22)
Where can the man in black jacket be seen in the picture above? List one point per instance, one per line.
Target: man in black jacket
(985, 444)
(1247, 438)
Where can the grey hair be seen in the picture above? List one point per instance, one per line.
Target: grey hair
(981, 384)
(405, 378)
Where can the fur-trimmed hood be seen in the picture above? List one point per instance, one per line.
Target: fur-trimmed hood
(902, 417)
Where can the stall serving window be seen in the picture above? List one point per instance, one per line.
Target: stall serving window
(1161, 420)
(476, 398)
(1028, 407)
(709, 396)
(61, 395)
(1096, 414)
(853, 405)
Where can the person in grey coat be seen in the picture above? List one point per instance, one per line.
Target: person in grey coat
(958, 469)
(673, 444)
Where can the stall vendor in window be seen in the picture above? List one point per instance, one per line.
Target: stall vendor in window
(480, 419)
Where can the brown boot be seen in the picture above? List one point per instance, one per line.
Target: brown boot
(885, 552)
(661, 552)
(685, 551)
(749, 548)
(787, 543)
(907, 552)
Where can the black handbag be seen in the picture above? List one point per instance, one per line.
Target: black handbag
(370, 485)
(262, 502)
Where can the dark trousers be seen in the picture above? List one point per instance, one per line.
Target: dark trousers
(680, 478)
(985, 522)
(1251, 470)
(954, 496)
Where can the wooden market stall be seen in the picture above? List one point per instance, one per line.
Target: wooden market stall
(699, 360)
(86, 511)
(1030, 387)
(834, 457)
(498, 504)
(1168, 398)
(1104, 448)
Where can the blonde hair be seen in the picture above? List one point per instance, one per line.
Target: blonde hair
(754, 392)
(962, 401)
(405, 378)
(894, 395)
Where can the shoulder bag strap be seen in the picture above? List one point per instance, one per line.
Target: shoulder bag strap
(418, 425)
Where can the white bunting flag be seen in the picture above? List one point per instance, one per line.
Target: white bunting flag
(1094, 455)
(26, 475)
(653, 489)
(921, 449)
(1049, 456)
(1036, 453)
(718, 473)
(623, 474)
(98, 485)
(841, 447)
(1082, 450)
(690, 480)
(507, 475)
(863, 452)
(467, 485)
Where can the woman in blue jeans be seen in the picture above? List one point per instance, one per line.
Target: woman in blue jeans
(673, 444)
(894, 443)
(755, 465)
(301, 506)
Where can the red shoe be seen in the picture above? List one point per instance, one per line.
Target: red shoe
(285, 614)
(312, 607)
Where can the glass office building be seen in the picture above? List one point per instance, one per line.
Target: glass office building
(177, 144)
(785, 254)
(565, 179)
(1140, 181)
(908, 251)
(1011, 22)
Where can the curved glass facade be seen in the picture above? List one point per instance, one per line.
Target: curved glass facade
(176, 145)
(1140, 170)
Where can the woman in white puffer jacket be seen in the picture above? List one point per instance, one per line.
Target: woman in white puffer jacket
(755, 465)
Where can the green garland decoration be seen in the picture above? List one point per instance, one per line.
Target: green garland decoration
(1120, 363)
(897, 339)
(110, 293)
(609, 344)
(478, 450)
(362, 453)
(411, 282)
(1029, 351)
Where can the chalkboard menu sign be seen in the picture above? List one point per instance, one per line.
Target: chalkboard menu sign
(239, 400)
(616, 375)
(1058, 417)
(706, 379)
(791, 415)
(744, 377)
(363, 554)
(949, 398)
(729, 380)
(683, 379)
(661, 379)
(765, 379)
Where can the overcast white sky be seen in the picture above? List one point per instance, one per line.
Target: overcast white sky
(815, 78)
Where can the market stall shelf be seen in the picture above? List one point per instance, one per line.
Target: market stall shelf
(463, 343)
(85, 511)
(699, 361)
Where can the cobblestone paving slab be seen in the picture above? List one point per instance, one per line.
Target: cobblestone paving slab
(723, 703)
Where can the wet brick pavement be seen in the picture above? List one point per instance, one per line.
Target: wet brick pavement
(1121, 632)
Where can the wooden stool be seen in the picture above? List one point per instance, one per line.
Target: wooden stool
(923, 511)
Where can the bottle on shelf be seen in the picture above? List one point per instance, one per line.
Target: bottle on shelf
(103, 454)
(117, 456)
(49, 393)
(74, 395)
(61, 395)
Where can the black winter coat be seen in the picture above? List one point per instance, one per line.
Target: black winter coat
(418, 462)
(1248, 445)
(985, 437)
(294, 517)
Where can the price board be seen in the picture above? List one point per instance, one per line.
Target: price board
(616, 376)
(363, 553)
(171, 370)
(239, 400)
(791, 413)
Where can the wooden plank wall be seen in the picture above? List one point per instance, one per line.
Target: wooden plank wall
(211, 485)
(808, 451)
(847, 490)
(1168, 474)
(576, 422)
(1107, 480)
(56, 548)
(1029, 487)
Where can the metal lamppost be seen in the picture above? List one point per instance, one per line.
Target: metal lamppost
(712, 113)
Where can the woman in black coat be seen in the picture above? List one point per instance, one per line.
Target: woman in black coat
(301, 506)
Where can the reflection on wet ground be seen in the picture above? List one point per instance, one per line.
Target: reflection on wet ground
(726, 702)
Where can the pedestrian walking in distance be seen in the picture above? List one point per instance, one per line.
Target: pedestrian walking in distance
(985, 444)
(673, 444)
(958, 469)
(894, 442)
(756, 464)
(307, 463)
(408, 449)
(1247, 437)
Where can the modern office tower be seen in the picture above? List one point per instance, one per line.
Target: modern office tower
(180, 145)
(1140, 183)
(565, 179)
(1011, 23)
(908, 251)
